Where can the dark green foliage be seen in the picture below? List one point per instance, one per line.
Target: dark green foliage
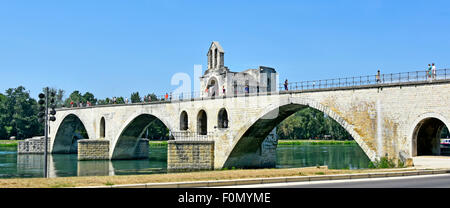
(445, 133)
(135, 98)
(157, 131)
(385, 162)
(76, 97)
(309, 123)
(18, 114)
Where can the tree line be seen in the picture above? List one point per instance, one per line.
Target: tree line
(18, 117)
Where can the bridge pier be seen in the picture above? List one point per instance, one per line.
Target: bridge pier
(190, 155)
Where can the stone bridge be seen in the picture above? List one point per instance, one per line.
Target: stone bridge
(394, 119)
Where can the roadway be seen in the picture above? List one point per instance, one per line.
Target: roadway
(424, 181)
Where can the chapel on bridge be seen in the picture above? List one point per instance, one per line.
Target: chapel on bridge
(218, 80)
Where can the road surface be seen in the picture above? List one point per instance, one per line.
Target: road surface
(425, 181)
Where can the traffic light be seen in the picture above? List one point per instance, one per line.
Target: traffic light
(42, 108)
(44, 103)
(52, 107)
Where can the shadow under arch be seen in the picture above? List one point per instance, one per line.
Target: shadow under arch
(247, 151)
(426, 137)
(126, 146)
(69, 132)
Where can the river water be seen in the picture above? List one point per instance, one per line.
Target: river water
(13, 165)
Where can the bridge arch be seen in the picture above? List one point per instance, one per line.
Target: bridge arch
(425, 132)
(222, 119)
(184, 121)
(202, 123)
(102, 128)
(69, 131)
(246, 147)
(124, 145)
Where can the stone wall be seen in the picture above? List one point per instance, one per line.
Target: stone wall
(33, 145)
(93, 149)
(190, 155)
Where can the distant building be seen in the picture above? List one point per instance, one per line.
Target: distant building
(219, 77)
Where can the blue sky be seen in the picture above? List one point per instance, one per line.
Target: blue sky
(114, 48)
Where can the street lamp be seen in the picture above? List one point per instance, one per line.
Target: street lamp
(46, 100)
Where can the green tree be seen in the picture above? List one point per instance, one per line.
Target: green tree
(20, 118)
(309, 123)
(120, 100)
(89, 97)
(135, 98)
(3, 117)
(59, 95)
(157, 131)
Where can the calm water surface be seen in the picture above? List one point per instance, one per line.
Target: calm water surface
(61, 165)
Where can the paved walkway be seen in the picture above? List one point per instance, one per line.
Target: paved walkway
(431, 162)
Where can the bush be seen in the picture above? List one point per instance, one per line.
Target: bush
(385, 162)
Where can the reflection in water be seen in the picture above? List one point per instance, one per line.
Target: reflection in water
(63, 165)
(349, 156)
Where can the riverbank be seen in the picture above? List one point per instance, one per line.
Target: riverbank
(79, 181)
(314, 142)
(281, 142)
(8, 143)
(12, 143)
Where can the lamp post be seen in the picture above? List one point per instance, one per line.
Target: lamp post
(43, 116)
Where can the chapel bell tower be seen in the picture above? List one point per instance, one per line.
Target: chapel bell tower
(215, 56)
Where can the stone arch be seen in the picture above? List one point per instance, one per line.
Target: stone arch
(222, 119)
(70, 130)
(425, 134)
(102, 128)
(213, 87)
(125, 144)
(184, 121)
(246, 147)
(202, 123)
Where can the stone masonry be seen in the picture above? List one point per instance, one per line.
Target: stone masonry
(33, 145)
(93, 149)
(190, 155)
(382, 119)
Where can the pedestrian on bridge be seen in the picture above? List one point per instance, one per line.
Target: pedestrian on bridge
(429, 71)
(286, 85)
(378, 77)
(433, 70)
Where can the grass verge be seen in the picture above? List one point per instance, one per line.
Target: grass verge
(8, 143)
(83, 181)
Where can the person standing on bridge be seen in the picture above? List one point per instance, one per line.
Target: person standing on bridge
(433, 70)
(378, 77)
(286, 85)
(429, 71)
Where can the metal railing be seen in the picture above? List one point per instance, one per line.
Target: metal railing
(393, 78)
(191, 136)
(243, 90)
